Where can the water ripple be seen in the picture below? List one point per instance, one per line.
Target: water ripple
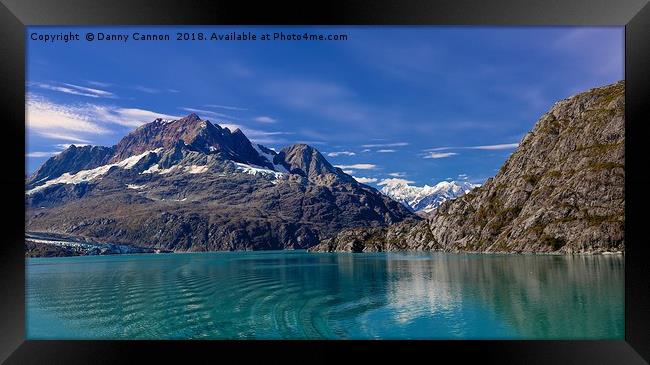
(300, 295)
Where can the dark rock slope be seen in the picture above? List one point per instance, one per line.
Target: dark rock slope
(190, 185)
(562, 190)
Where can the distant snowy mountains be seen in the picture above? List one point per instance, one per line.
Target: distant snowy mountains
(425, 199)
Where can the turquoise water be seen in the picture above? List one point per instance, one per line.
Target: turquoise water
(295, 294)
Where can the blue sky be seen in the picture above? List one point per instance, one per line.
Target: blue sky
(423, 104)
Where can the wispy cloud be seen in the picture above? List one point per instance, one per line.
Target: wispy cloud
(73, 89)
(365, 180)
(79, 122)
(264, 119)
(387, 54)
(386, 151)
(349, 172)
(504, 146)
(341, 153)
(152, 90)
(490, 147)
(276, 133)
(98, 83)
(226, 107)
(239, 70)
(310, 142)
(41, 154)
(63, 122)
(63, 146)
(209, 113)
(358, 166)
(396, 144)
(322, 98)
(313, 135)
(72, 137)
(600, 50)
(144, 89)
(440, 154)
(93, 91)
(59, 148)
(128, 117)
(397, 174)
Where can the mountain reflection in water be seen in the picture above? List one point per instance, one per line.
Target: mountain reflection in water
(296, 294)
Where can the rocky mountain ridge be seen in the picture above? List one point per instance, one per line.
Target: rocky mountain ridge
(425, 199)
(562, 191)
(190, 185)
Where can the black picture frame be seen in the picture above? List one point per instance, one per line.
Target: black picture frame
(15, 15)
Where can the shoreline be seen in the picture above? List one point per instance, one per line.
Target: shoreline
(82, 246)
(604, 253)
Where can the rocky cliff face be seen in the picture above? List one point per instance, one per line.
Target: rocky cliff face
(306, 161)
(190, 185)
(562, 190)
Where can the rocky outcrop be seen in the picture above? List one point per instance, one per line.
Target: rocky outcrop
(189, 185)
(562, 190)
(306, 161)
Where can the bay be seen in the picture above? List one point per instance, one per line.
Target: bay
(301, 295)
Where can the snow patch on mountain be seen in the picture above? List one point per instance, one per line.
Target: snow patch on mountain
(191, 169)
(424, 198)
(92, 174)
(153, 169)
(195, 169)
(135, 187)
(257, 170)
(269, 154)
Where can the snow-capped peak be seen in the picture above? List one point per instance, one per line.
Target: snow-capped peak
(424, 198)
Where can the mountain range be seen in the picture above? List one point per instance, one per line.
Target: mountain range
(562, 190)
(191, 185)
(424, 199)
